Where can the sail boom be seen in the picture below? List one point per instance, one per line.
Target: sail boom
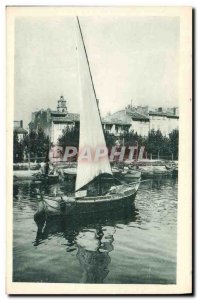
(93, 179)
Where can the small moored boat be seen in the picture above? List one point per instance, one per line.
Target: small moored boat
(116, 198)
(173, 167)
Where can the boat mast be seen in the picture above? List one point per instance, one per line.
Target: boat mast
(89, 68)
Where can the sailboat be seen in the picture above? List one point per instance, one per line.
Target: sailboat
(92, 190)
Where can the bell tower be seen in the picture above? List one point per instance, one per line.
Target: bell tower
(61, 107)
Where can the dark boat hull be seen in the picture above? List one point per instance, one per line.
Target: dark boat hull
(93, 207)
(175, 172)
(117, 198)
(46, 178)
(54, 207)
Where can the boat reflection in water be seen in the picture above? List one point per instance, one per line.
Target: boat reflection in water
(91, 237)
(93, 255)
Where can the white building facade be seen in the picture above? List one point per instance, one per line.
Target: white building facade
(125, 121)
(140, 120)
(54, 122)
(164, 122)
(129, 119)
(19, 130)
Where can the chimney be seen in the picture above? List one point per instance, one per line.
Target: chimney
(21, 123)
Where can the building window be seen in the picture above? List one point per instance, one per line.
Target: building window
(125, 128)
(108, 126)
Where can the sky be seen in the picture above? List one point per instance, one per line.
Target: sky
(131, 59)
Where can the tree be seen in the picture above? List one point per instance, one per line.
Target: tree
(110, 139)
(69, 137)
(43, 143)
(29, 143)
(152, 142)
(36, 144)
(174, 143)
(17, 149)
(132, 138)
(155, 143)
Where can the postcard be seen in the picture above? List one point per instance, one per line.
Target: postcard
(99, 150)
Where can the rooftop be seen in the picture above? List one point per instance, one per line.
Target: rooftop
(136, 116)
(69, 117)
(163, 114)
(20, 130)
(124, 117)
(119, 117)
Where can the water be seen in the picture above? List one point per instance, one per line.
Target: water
(138, 246)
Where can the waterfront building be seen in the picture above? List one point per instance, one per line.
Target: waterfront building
(140, 119)
(19, 130)
(126, 120)
(166, 122)
(53, 122)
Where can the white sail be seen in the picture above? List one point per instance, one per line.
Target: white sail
(91, 133)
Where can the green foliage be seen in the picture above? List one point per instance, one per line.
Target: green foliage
(110, 139)
(29, 143)
(42, 142)
(131, 138)
(36, 144)
(70, 137)
(155, 144)
(17, 149)
(174, 143)
(166, 147)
